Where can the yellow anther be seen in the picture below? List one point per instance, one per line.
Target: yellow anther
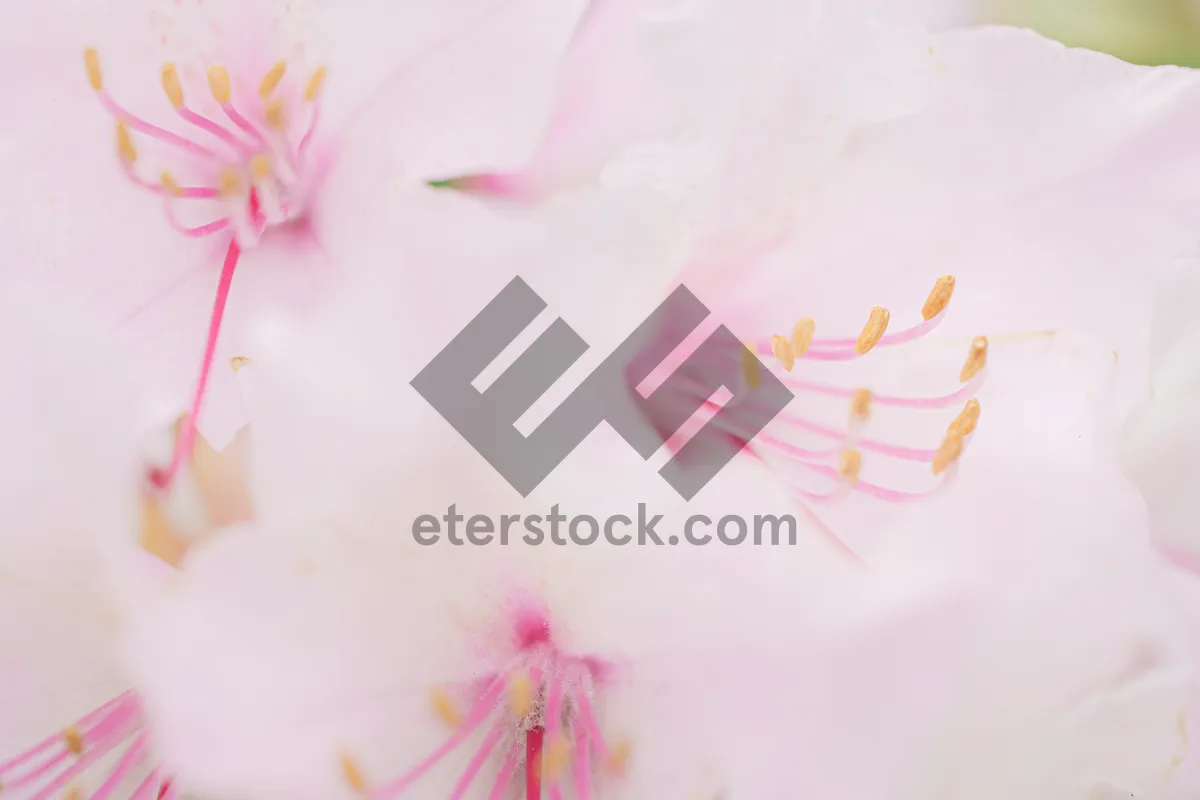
(125, 147)
(964, 423)
(750, 366)
(618, 756)
(860, 403)
(873, 331)
(939, 297)
(520, 695)
(74, 793)
(157, 537)
(947, 454)
(782, 349)
(229, 183)
(976, 359)
(260, 166)
(444, 708)
(314, 84)
(237, 362)
(169, 184)
(274, 114)
(271, 80)
(171, 85)
(802, 335)
(850, 465)
(353, 774)
(218, 84)
(555, 757)
(74, 740)
(91, 60)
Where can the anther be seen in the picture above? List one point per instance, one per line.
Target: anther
(218, 84)
(171, 85)
(271, 80)
(782, 349)
(74, 740)
(444, 708)
(260, 166)
(850, 465)
(873, 331)
(237, 362)
(939, 297)
(947, 454)
(750, 365)
(169, 183)
(74, 793)
(556, 756)
(353, 774)
(802, 335)
(618, 756)
(314, 84)
(125, 147)
(520, 695)
(976, 359)
(228, 183)
(91, 60)
(964, 423)
(860, 404)
(274, 114)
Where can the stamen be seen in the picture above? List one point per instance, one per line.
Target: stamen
(850, 465)
(91, 60)
(274, 115)
(444, 708)
(477, 761)
(939, 297)
(271, 80)
(218, 84)
(520, 695)
(260, 167)
(125, 147)
(555, 757)
(802, 336)
(783, 351)
(353, 774)
(618, 756)
(976, 359)
(750, 368)
(314, 85)
(171, 85)
(74, 740)
(948, 453)
(964, 424)
(860, 404)
(873, 331)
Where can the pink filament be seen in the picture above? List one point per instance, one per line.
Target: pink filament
(146, 787)
(478, 714)
(504, 777)
(153, 131)
(477, 761)
(206, 124)
(242, 122)
(187, 433)
(133, 755)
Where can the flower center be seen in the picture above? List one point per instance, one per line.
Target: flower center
(51, 768)
(538, 709)
(248, 171)
(247, 176)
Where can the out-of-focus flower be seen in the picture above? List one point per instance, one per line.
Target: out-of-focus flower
(235, 151)
(1162, 438)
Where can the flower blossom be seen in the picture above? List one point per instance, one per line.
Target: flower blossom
(232, 156)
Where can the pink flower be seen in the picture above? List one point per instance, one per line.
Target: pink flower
(211, 160)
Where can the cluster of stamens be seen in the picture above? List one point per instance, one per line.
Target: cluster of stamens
(52, 768)
(843, 462)
(542, 729)
(252, 166)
